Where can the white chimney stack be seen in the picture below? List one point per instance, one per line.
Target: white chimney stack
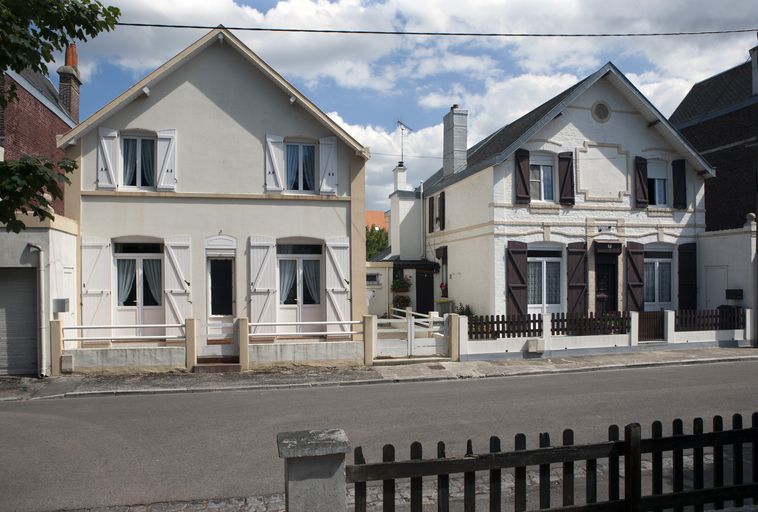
(454, 142)
(400, 173)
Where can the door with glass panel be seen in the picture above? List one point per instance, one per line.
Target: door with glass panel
(139, 293)
(544, 285)
(300, 288)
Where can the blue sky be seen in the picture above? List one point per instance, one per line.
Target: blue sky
(368, 83)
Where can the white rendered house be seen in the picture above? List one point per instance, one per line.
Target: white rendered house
(214, 190)
(591, 202)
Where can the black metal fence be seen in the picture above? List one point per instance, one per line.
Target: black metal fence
(631, 449)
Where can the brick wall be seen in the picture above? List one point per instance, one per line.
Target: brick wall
(30, 129)
(732, 194)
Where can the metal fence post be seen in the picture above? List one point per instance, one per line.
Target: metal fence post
(632, 467)
(242, 333)
(190, 343)
(314, 469)
(56, 346)
(370, 328)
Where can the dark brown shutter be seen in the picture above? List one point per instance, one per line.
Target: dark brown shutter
(680, 184)
(640, 182)
(516, 279)
(635, 276)
(566, 177)
(441, 208)
(521, 176)
(576, 266)
(431, 215)
(688, 276)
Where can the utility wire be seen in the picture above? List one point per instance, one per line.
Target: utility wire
(445, 34)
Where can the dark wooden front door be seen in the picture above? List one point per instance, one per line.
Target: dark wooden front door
(606, 278)
(424, 291)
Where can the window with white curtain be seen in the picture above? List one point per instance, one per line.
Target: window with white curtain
(138, 161)
(300, 167)
(139, 280)
(658, 281)
(544, 281)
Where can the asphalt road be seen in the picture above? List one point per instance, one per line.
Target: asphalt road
(88, 452)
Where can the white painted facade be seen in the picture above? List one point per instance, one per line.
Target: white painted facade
(222, 205)
(482, 214)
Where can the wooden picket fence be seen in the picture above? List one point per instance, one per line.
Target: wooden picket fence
(490, 327)
(631, 448)
(709, 319)
(614, 322)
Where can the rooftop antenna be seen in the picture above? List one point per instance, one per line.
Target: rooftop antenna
(403, 127)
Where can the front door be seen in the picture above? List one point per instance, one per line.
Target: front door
(139, 298)
(300, 293)
(424, 291)
(606, 277)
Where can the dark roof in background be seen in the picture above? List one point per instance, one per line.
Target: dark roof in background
(381, 255)
(714, 94)
(43, 85)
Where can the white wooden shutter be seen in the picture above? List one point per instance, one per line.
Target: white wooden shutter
(274, 163)
(166, 150)
(338, 280)
(263, 287)
(107, 151)
(327, 157)
(177, 287)
(97, 305)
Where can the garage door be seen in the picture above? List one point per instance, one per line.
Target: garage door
(18, 321)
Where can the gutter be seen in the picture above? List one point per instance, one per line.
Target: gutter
(43, 346)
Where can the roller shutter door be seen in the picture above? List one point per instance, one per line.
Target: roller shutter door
(18, 321)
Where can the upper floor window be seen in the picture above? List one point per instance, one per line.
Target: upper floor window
(657, 183)
(139, 161)
(541, 181)
(301, 167)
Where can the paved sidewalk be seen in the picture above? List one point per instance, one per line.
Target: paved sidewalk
(312, 375)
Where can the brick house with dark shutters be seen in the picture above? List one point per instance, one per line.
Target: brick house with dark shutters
(37, 265)
(591, 202)
(719, 117)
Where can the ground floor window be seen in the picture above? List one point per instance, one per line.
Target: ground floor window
(221, 276)
(658, 280)
(544, 281)
(139, 280)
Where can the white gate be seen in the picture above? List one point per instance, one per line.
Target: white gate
(409, 334)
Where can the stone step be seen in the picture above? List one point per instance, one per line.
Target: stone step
(217, 368)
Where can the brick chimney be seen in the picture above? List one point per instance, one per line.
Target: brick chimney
(754, 66)
(68, 92)
(454, 141)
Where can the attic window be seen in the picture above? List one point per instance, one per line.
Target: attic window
(601, 112)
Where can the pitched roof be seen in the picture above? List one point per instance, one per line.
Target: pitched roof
(219, 34)
(719, 92)
(498, 146)
(40, 86)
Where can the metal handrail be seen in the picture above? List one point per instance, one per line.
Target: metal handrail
(146, 326)
(327, 322)
(292, 334)
(123, 338)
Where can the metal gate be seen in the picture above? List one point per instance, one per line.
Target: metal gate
(651, 326)
(410, 334)
(18, 321)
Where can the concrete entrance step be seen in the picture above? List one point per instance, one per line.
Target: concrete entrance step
(217, 368)
(410, 360)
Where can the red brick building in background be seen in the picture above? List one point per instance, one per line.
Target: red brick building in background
(29, 125)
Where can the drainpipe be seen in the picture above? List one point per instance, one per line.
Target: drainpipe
(42, 311)
(423, 223)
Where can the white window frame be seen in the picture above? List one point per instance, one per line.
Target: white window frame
(374, 284)
(657, 173)
(544, 307)
(542, 161)
(300, 182)
(657, 305)
(138, 171)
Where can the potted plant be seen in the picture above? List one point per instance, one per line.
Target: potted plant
(401, 285)
(401, 301)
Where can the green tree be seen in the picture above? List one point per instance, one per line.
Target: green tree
(376, 241)
(31, 31)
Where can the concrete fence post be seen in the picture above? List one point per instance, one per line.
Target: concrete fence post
(454, 336)
(314, 469)
(462, 337)
(634, 328)
(242, 338)
(370, 335)
(547, 334)
(56, 346)
(749, 340)
(190, 343)
(669, 325)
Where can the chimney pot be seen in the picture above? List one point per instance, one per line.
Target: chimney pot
(72, 59)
